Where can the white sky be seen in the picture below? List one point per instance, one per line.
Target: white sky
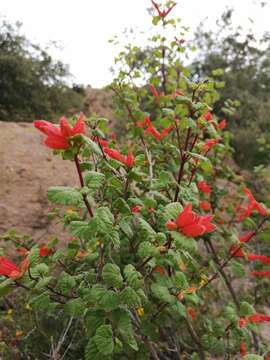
(83, 27)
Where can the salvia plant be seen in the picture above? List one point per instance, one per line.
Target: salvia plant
(162, 261)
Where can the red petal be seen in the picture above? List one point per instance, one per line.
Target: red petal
(47, 127)
(193, 230)
(79, 127)
(56, 142)
(187, 217)
(66, 130)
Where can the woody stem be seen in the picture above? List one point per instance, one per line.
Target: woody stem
(86, 202)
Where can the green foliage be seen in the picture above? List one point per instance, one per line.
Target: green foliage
(136, 280)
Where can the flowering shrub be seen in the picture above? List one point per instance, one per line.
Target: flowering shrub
(163, 231)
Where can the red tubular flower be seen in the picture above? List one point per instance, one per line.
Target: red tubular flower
(162, 13)
(252, 206)
(153, 131)
(222, 125)
(204, 187)
(209, 144)
(246, 237)
(262, 258)
(136, 209)
(191, 224)
(57, 137)
(154, 91)
(102, 142)
(258, 318)
(208, 116)
(130, 160)
(45, 251)
(116, 155)
(236, 251)
(8, 268)
(166, 131)
(192, 313)
(113, 136)
(145, 122)
(159, 269)
(171, 225)
(243, 349)
(205, 205)
(265, 273)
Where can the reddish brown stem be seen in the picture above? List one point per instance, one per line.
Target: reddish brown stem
(86, 202)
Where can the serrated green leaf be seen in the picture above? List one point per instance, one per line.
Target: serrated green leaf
(112, 275)
(183, 242)
(64, 195)
(130, 297)
(104, 339)
(172, 210)
(162, 293)
(94, 180)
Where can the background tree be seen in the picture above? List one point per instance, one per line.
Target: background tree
(245, 62)
(32, 84)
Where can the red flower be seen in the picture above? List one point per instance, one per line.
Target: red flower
(166, 131)
(265, 273)
(162, 13)
(204, 187)
(8, 268)
(171, 225)
(209, 144)
(208, 116)
(192, 313)
(113, 136)
(57, 137)
(159, 269)
(45, 251)
(154, 91)
(255, 318)
(243, 349)
(145, 122)
(153, 131)
(236, 251)
(252, 206)
(191, 224)
(246, 237)
(136, 209)
(205, 205)
(262, 258)
(101, 142)
(116, 155)
(222, 125)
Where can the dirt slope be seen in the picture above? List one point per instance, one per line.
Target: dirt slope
(27, 169)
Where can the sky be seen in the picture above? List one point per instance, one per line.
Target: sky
(83, 27)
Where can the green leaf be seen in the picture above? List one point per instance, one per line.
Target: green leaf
(65, 283)
(253, 357)
(147, 249)
(92, 353)
(130, 297)
(133, 277)
(180, 280)
(92, 145)
(172, 210)
(75, 307)
(104, 339)
(5, 288)
(125, 328)
(238, 269)
(64, 195)
(146, 229)
(112, 275)
(94, 319)
(183, 242)
(94, 180)
(162, 294)
(246, 309)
